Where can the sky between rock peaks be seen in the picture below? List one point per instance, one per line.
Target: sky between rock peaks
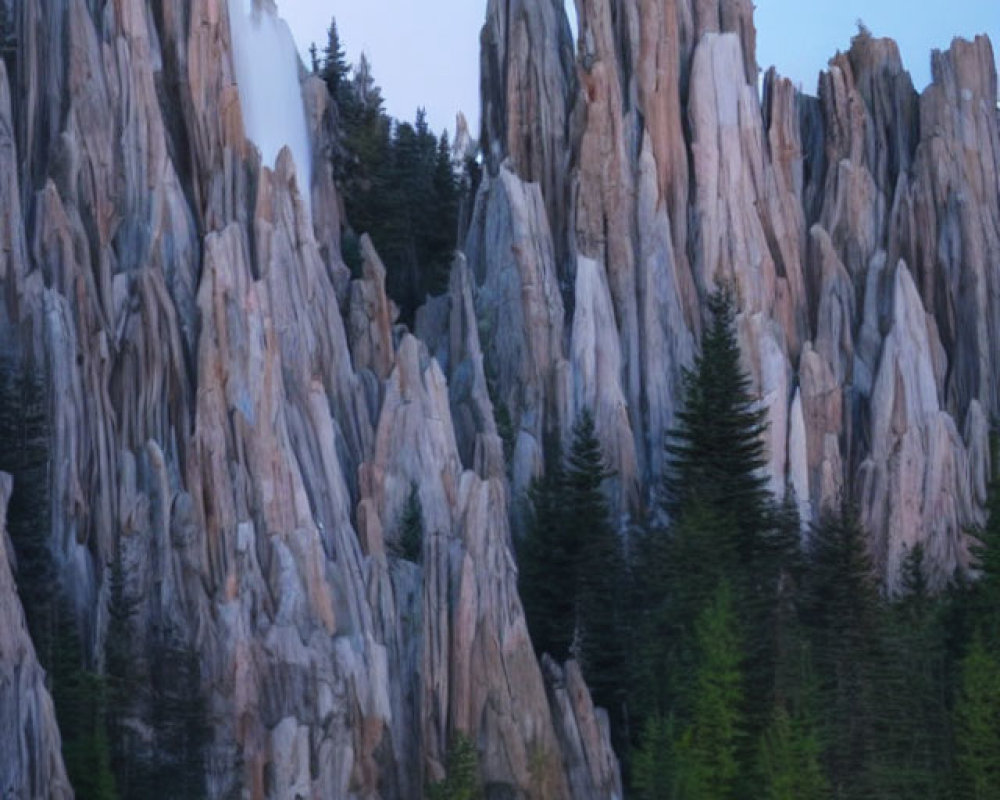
(426, 52)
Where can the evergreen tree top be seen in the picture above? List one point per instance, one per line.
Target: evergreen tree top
(335, 66)
(716, 451)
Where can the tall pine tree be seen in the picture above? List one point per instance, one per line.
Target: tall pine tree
(716, 451)
(708, 751)
(547, 559)
(790, 759)
(843, 614)
(977, 710)
(977, 722)
(914, 747)
(600, 570)
(335, 69)
(723, 525)
(572, 570)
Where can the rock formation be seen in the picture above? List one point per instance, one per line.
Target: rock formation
(242, 423)
(29, 737)
(860, 230)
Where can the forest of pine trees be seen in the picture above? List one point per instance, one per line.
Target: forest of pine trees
(738, 658)
(398, 182)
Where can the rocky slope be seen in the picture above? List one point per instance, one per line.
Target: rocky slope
(29, 737)
(240, 421)
(860, 229)
(243, 422)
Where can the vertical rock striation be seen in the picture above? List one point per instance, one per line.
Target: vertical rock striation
(859, 229)
(242, 424)
(29, 737)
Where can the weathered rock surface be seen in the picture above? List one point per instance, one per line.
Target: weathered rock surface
(242, 423)
(860, 229)
(30, 749)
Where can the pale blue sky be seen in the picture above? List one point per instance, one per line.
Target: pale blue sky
(426, 52)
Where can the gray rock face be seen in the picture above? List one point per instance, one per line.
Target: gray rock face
(861, 230)
(30, 747)
(240, 422)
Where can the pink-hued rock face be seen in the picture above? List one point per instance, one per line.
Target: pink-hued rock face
(30, 748)
(860, 229)
(243, 423)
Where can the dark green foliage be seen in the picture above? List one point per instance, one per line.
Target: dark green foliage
(178, 713)
(505, 429)
(843, 613)
(837, 693)
(410, 545)
(707, 752)
(653, 767)
(789, 759)
(977, 707)
(983, 599)
(398, 183)
(716, 450)
(350, 251)
(157, 719)
(977, 722)
(78, 693)
(80, 699)
(547, 560)
(24, 454)
(335, 69)
(125, 685)
(572, 569)
(462, 781)
(600, 570)
(439, 241)
(675, 572)
(724, 525)
(913, 757)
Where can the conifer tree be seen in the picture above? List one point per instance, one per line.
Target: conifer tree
(723, 525)
(335, 68)
(653, 768)
(675, 574)
(843, 614)
(573, 572)
(547, 560)
(707, 753)
(443, 231)
(25, 454)
(80, 698)
(600, 573)
(179, 721)
(913, 741)
(716, 451)
(411, 528)
(985, 550)
(977, 720)
(124, 684)
(462, 779)
(790, 767)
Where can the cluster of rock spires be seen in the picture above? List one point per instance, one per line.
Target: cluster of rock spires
(860, 230)
(243, 422)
